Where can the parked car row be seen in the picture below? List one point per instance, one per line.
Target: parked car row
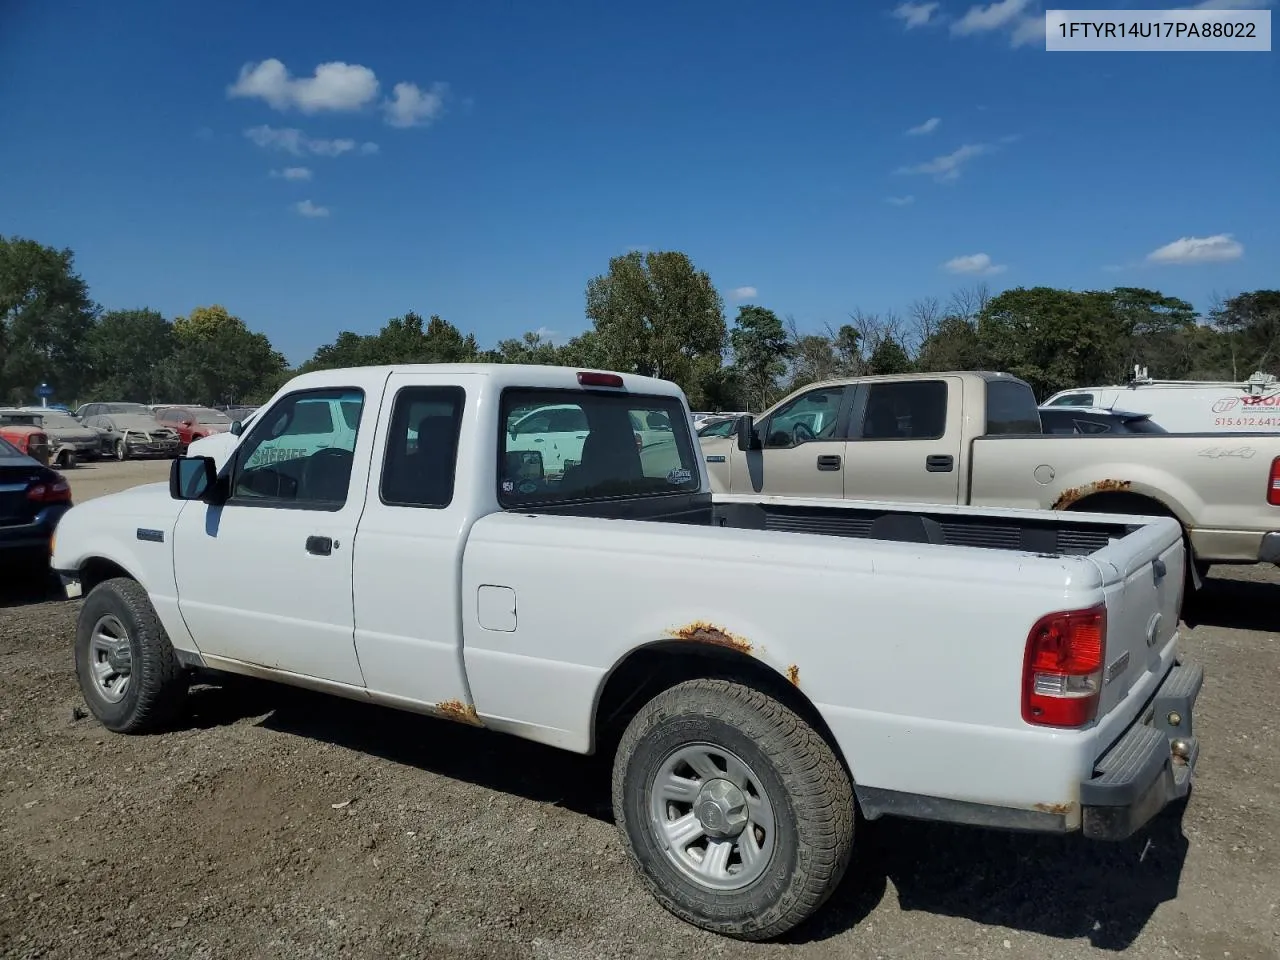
(33, 497)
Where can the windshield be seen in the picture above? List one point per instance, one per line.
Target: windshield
(135, 408)
(559, 446)
(1143, 425)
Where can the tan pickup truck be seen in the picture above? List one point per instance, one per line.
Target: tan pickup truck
(975, 438)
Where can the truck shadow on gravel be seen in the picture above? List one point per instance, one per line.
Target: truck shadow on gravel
(1063, 887)
(1236, 605)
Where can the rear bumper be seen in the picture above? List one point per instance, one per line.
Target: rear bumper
(33, 537)
(1152, 764)
(1269, 551)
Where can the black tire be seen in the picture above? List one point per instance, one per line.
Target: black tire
(158, 683)
(121, 450)
(803, 780)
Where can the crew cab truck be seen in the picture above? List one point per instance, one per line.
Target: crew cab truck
(423, 559)
(975, 438)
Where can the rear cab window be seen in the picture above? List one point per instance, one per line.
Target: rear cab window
(905, 410)
(1011, 408)
(560, 446)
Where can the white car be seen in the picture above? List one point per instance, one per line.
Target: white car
(754, 666)
(1188, 406)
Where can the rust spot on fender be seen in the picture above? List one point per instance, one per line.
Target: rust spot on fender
(793, 674)
(1061, 809)
(459, 711)
(1073, 494)
(702, 632)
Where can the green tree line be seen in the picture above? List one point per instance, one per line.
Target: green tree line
(651, 313)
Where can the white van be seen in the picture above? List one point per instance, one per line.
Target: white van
(1188, 406)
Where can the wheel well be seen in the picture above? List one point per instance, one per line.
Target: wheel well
(1111, 502)
(97, 569)
(646, 672)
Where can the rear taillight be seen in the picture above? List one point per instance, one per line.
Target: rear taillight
(589, 378)
(1273, 484)
(1062, 670)
(50, 491)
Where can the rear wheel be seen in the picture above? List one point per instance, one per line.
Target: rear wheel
(122, 450)
(736, 812)
(128, 671)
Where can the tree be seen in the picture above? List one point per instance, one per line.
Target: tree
(889, 356)
(759, 352)
(1052, 338)
(128, 351)
(217, 359)
(1251, 323)
(45, 315)
(403, 339)
(656, 315)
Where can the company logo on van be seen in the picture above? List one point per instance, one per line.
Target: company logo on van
(1271, 401)
(1225, 404)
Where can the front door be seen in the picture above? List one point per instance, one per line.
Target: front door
(803, 448)
(266, 578)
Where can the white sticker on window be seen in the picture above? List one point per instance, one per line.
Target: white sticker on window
(679, 475)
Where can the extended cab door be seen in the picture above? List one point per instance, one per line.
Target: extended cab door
(411, 537)
(265, 578)
(803, 447)
(904, 441)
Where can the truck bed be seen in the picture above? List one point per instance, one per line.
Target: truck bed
(992, 528)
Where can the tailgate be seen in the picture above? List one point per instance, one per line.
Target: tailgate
(1143, 577)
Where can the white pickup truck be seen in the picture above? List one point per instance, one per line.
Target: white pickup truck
(849, 660)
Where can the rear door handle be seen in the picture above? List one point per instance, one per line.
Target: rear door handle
(320, 546)
(939, 462)
(828, 461)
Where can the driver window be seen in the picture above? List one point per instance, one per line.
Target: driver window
(811, 416)
(301, 453)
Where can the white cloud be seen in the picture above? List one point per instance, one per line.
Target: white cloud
(294, 141)
(308, 209)
(994, 16)
(547, 334)
(915, 14)
(1028, 30)
(410, 106)
(974, 263)
(947, 166)
(293, 173)
(334, 86)
(900, 201)
(1213, 249)
(928, 126)
(742, 293)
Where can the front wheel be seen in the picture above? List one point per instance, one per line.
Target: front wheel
(737, 813)
(129, 674)
(122, 450)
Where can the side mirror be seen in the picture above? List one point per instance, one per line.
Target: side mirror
(236, 428)
(192, 478)
(745, 429)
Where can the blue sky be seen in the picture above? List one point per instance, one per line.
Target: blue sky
(768, 141)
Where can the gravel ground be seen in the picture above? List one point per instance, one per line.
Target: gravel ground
(286, 824)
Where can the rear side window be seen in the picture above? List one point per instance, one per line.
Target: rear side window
(1011, 408)
(1073, 400)
(421, 458)
(564, 446)
(909, 410)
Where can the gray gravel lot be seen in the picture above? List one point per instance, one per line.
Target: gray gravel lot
(286, 824)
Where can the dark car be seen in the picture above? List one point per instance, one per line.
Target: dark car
(33, 499)
(1092, 420)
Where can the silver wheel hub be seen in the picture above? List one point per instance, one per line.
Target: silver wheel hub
(711, 817)
(110, 658)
